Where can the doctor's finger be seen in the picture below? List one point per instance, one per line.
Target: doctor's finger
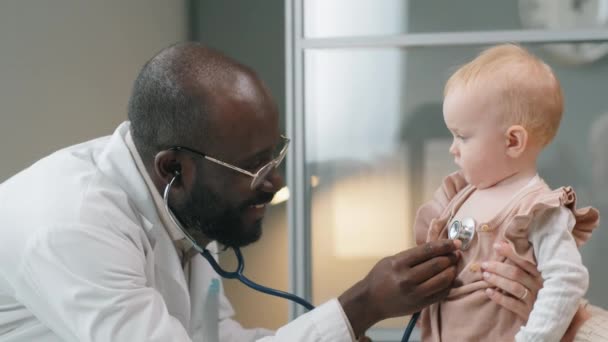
(428, 269)
(439, 283)
(433, 298)
(422, 253)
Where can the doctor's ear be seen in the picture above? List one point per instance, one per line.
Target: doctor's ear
(516, 139)
(167, 166)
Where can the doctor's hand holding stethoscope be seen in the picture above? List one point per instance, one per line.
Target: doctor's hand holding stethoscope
(402, 284)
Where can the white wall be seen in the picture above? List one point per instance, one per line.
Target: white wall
(66, 68)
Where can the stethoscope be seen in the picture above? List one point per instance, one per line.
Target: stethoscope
(238, 274)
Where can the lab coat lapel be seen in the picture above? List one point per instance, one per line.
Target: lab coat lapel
(169, 279)
(167, 275)
(205, 289)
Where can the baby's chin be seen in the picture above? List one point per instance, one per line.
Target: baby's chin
(482, 186)
(479, 183)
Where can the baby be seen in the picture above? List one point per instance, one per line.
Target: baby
(503, 108)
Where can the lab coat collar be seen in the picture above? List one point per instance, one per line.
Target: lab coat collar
(118, 163)
(174, 232)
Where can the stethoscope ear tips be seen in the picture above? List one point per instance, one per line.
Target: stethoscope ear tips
(177, 174)
(176, 170)
(464, 231)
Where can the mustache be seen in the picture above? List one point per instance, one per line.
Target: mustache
(265, 197)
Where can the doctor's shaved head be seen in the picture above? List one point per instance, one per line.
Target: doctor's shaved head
(192, 96)
(177, 91)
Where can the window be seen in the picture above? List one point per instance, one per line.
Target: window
(364, 98)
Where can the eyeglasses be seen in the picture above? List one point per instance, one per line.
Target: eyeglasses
(262, 172)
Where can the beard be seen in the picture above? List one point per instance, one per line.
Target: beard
(206, 215)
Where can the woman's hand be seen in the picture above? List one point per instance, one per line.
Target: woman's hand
(519, 285)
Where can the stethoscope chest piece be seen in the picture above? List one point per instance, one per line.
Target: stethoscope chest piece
(463, 230)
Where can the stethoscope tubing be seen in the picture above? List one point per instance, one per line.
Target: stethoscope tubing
(238, 274)
(410, 327)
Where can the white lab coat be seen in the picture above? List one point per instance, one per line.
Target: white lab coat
(84, 257)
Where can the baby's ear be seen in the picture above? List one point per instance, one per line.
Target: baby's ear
(516, 140)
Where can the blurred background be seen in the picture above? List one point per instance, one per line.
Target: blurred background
(359, 85)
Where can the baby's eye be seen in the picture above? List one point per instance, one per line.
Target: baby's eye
(458, 136)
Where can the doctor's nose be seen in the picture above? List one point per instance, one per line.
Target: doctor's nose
(273, 182)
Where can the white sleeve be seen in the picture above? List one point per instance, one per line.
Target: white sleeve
(231, 330)
(88, 283)
(326, 323)
(565, 277)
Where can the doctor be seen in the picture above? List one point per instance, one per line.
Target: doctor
(88, 252)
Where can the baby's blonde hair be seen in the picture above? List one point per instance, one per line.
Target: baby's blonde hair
(524, 84)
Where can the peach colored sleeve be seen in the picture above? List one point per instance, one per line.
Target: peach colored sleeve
(432, 209)
(587, 218)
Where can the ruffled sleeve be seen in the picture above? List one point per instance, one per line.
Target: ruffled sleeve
(434, 208)
(586, 219)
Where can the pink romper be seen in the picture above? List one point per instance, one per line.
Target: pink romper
(467, 314)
